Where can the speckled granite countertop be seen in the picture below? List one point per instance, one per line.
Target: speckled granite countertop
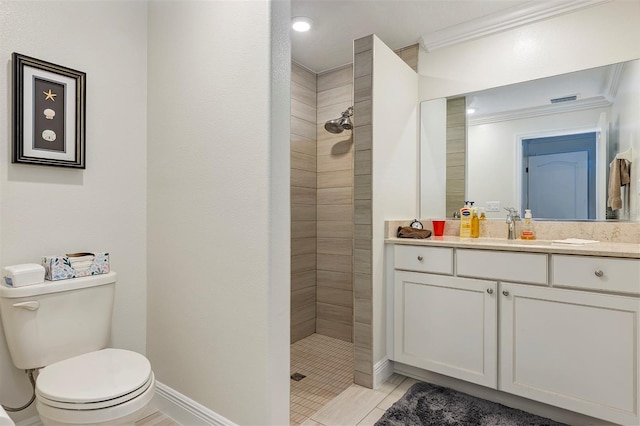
(607, 249)
(615, 239)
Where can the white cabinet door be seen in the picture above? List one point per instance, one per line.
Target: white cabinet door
(447, 325)
(571, 349)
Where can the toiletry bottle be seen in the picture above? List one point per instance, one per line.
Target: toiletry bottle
(475, 223)
(483, 215)
(527, 227)
(465, 220)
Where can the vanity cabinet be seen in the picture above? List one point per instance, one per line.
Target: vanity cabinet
(558, 329)
(573, 349)
(447, 325)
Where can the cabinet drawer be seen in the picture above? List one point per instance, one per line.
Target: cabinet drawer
(436, 260)
(502, 265)
(596, 273)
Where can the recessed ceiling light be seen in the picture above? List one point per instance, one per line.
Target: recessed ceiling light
(471, 110)
(301, 24)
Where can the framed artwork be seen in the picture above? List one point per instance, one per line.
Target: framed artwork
(48, 113)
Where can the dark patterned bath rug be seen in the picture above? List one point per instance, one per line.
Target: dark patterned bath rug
(427, 404)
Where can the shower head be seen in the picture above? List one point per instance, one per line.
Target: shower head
(337, 125)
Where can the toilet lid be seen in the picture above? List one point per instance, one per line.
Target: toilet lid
(94, 377)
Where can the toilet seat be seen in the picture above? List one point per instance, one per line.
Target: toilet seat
(99, 386)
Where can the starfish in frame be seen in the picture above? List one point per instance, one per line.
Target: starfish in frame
(50, 95)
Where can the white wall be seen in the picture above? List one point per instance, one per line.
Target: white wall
(219, 205)
(48, 210)
(394, 164)
(433, 147)
(599, 35)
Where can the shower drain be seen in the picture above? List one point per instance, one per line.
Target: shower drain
(297, 376)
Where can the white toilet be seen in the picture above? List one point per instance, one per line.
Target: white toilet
(63, 327)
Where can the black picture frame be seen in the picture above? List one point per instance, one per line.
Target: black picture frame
(49, 108)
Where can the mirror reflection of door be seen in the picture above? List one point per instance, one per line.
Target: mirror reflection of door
(566, 159)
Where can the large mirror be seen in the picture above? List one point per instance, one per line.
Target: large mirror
(544, 144)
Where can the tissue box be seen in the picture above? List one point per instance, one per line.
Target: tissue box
(75, 265)
(25, 274)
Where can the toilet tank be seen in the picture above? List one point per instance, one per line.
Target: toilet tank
(48, 322)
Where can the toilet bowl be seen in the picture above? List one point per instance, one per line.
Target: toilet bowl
(62, 329)
(110, 386)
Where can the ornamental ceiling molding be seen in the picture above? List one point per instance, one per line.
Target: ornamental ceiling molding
(501, 21)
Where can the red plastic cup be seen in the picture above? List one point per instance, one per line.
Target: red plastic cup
(438, 227)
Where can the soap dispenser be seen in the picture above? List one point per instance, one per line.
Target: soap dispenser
(527, 227)
(475, 222)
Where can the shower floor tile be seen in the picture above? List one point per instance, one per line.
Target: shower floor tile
(327, 364)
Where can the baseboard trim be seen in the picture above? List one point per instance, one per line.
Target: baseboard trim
(184, 410)
(382, 371)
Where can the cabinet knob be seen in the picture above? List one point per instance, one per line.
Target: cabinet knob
(599, 273)
(420, 258)
(505, 292)
(490, 290)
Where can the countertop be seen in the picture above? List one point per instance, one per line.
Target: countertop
(606, 249)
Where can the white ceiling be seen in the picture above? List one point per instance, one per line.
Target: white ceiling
(398, 23)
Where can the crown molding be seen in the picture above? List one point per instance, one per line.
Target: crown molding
(539, 111)
(532, 11)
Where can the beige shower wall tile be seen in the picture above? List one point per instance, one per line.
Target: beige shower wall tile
(303, 212)
(334, 279)
(332, 262)
(337, 179)
(338, 95)
(303, 246)
(304, 312)
(303, 279)
(335, 78)
(456, 146)
(303, 77)
(334, 229)
(303, 161)
(304, 296)
(336, 146)
(303, 228)
(362, 333)
(303, 94)
(362, 310)
(334, 296)
(300, 195)
(331, 163)
(362, 212)
(362, 162)
(363, 64)
(362, 44)
(303, 111)
(333, 212)
(362, 231)
(334, 329)
(362, 187)
(362, 113)
(457, 119)
(303, 178)
(303, 262)
(363, 136)
(302, 330)
(362, 261)
(303, 128)
(303, 145)
(337, 246)
(335, 195)
(362, 87)
(362, 286)
(335, 313)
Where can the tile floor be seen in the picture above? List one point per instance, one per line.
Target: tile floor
(361, 406)
(327, 364)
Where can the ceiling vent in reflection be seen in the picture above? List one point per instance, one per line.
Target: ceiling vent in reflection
(564, 99)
